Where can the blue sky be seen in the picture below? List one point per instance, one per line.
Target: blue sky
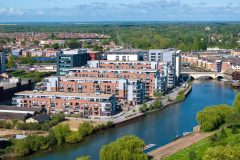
(118, 10)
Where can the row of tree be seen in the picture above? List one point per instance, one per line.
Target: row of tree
(211, 118)
(57, 135)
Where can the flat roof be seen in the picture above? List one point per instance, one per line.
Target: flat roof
(95, 78)
(110, 61)
(118, 69)
(14, 108)
(63, 94)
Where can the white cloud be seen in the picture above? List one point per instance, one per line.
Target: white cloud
(121, 11)
(11, 11)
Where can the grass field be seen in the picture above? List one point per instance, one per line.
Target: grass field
(201, 147)
(74, 124)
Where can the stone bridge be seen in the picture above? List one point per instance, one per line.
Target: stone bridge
(197, 75)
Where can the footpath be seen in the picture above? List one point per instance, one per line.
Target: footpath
(173, 147)
(134, 112)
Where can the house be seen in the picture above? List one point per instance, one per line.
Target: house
(39, 118)
(19, 113)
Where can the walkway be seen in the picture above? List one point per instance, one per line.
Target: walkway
(173, 147)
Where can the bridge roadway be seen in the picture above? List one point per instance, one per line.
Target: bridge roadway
(196, 75)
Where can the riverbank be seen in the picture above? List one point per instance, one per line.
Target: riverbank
(135, 112)
(173, 147)
(157, 127)
(130, 115)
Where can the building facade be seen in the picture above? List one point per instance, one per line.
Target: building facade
(67, 59)
(130, 90)
(68, 103)
(126, 55)
(153, 79)
(2, 62)
(172, 57)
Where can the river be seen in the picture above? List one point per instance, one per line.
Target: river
(158, 128)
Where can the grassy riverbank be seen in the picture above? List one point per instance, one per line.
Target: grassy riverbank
(225, 143)
(200, 148)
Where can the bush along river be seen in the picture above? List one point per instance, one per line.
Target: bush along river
(157, 128)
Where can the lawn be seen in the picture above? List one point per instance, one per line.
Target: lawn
(200, 147)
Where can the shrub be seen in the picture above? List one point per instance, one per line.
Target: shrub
(236, 103)
(192, 155)
(223, 133)
(180, 96)
(222, 153)
(20, 147)
(127, 147)
(45, 126)
(211, 118)
(234, 130)
(60, 132)
(85, 129)
(110, 124)
(73, 137)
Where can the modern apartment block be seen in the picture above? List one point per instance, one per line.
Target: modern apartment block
(128, 90)
(2, 62)
(68, 103)
(172, 57)
(153, 79)
(215, 64)
(126, 55)
(161, 66)
(67, 59)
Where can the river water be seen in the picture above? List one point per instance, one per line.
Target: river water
(158, 128)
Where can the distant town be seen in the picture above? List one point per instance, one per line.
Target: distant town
(87, 77)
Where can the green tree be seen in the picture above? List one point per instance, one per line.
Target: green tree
(234, 129)
(11, 62)
(73, 137)
(125, 148)
(85, 129)
(222, 153)
(55, 46)
(157, 94)
(60, 132)
(211, 118)
(192, 155)
(236, 104)
(21, 147)
(233, 119)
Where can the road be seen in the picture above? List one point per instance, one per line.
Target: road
(173, 147)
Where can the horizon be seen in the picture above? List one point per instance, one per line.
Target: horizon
(133, 10)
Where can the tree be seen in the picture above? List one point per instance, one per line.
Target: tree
(233, 119)
(11, 62)
(180, 96)
(21, 147)
(223, 133)
(85, 129)
(234, 129)
(60, 132)
(125, 148)
(222, 153)
(157, 94)
(236, 104)
(83, 158)
(73, 137)
(192, 155)
(110, 124)
(55, 46)
(211, 118)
